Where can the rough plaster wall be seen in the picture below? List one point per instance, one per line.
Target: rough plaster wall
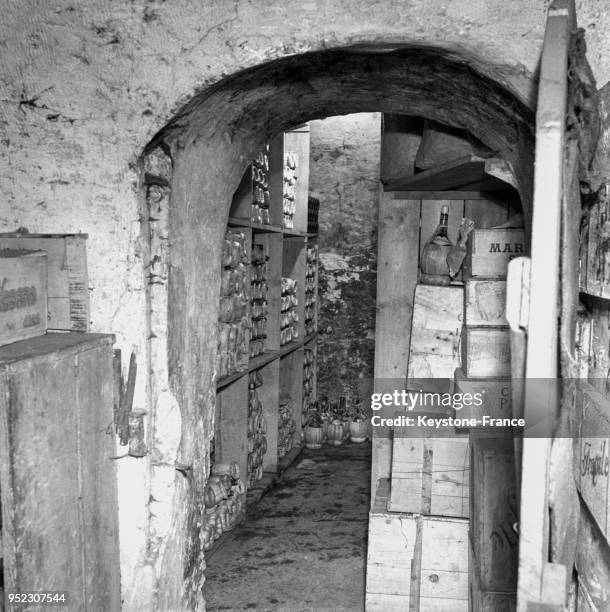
(344, 175)
(86, 85)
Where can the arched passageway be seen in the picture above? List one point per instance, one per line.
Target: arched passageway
(211, 141)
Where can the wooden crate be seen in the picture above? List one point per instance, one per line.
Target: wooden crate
(415, 561)
(485, 303)
(593, 462)
(58, 469)
(487, 601)
(68, 285)
(435, 333)
(489, 251)
(493, 512)
(430, 476)
(23, 294)
(496, 394)
(486, 351)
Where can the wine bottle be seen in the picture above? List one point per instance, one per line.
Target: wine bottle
(434, 267)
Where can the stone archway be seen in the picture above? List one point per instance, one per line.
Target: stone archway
(210, 142)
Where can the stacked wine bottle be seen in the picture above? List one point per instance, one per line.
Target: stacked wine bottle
(310, 290)
(286, 427)
(290, 180)
(257, 428)
(233, 319)
(224, 501)
(258, 294)
(308, 384)
(289, 316)
(260, 188)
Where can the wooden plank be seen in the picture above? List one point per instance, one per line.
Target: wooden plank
(98, 484)
(397, 267)
(425, 196)
(486, 352)
(56, 477)
(544, 292)
(485, 303)
(451, 175)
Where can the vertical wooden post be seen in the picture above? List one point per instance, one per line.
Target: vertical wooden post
(397, 265)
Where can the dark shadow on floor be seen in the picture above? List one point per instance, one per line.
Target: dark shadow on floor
(303, 546)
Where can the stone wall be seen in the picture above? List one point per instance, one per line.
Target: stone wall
(87, 86)
(344, 175)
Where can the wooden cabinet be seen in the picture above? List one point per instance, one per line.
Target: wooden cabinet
(57, 474)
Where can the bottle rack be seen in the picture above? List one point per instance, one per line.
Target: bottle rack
(259, 405)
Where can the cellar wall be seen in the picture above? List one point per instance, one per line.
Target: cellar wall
(85, 86)
(344, 175)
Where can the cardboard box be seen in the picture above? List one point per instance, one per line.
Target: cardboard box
(68, 285)
(486, 352)
(489, 251)
(485, 303)
(405, 550)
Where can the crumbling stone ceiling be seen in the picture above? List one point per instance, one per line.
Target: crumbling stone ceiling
(251, 106)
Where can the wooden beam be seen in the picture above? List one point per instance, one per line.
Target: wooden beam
(448, 195)
(541, 359)
(397, 267)
(456, 174)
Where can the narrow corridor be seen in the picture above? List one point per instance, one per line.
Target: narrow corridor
(303, 546)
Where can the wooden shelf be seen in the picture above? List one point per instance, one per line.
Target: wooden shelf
(290, 347)
(290, 233)
(463, 174)
(231, 378)
(260, 228)
(238, 222)
(592, 296)
(262, 360)
(281, 367)
(310, 337)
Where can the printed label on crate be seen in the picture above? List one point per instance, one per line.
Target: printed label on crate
(23, 295)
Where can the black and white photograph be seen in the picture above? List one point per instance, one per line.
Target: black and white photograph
(305, 305)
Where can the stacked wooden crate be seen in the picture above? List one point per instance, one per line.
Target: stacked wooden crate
(419, 519)
(486, 369)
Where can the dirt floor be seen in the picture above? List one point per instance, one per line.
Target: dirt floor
(303, 546)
